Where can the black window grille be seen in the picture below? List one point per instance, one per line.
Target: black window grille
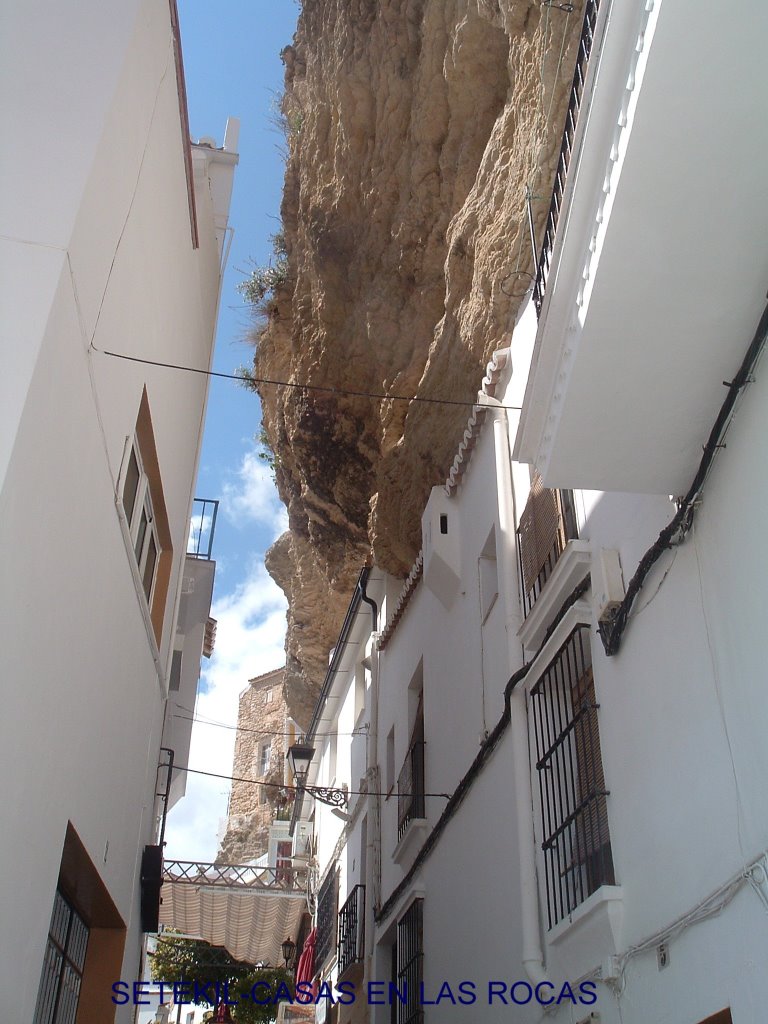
(576, 843)
(327, 905)
(63, 965)
(410, 788)
(352, 929)
(547, 524)
(410, 964)
(586, 40)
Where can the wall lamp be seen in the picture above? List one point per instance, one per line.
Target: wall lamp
(299, 758)
(288, 947)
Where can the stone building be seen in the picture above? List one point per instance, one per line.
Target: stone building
(264, 734)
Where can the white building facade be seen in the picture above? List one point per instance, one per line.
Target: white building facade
(561, 715)
(113, 235)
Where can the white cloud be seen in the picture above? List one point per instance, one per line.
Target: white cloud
(199, 529)
(251, 496)
(250, 640)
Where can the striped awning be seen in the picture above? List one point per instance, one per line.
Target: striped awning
(248, 911)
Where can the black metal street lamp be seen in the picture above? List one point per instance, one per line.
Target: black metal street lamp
(289, 948)
(299, 758)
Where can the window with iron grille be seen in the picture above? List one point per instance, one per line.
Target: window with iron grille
(352, 929)
(327, 905)
(547, 524)
(410, 964)
(572, 791)
(63, 965)
(410, 781)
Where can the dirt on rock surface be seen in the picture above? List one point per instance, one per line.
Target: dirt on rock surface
(414, 129)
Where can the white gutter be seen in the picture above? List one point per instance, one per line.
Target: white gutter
(533, 957)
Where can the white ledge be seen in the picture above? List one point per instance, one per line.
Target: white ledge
(590, 934)
(570, 569)
(413, 836)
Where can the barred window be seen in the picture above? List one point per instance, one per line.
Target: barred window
(327, 917)
(547, 524)
(63, 965)
(572, 790)
(410, 964)
(410, 781)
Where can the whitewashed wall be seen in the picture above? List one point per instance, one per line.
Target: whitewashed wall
(102, 254)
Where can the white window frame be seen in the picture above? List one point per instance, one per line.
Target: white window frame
(141, 509)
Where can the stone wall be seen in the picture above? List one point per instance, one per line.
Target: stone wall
(260, 748)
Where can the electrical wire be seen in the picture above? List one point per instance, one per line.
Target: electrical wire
(261, 732)
(325, 389)
(296, 789)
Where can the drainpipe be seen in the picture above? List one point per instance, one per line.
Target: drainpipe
(533, 957)
(373, 780)
(362, 584)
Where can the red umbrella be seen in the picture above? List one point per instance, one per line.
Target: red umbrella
(305, 968)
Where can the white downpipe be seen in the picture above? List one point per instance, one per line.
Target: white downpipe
(373, 854)
(533, 957)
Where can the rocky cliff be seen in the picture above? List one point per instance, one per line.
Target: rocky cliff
(414, 128)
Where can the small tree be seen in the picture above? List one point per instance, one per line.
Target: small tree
(259, 287)
(192, 961)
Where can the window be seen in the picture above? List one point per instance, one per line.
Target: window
(85, 945)
(410, 781)
(488, 576)
(390, 761)
(284, 866)
(268, 696)
(174, 681)
(139, 513)
(410, 964)
(352, 929)
(572, 791)
(547, 524)
(327, 918)
(63, 965)
(141, 495)
(266, 750)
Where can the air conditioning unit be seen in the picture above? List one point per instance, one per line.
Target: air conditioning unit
(302, 844)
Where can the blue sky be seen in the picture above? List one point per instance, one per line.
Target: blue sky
(233, 69)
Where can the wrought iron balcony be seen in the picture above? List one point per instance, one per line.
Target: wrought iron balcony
(566, 148)
(327, 917)
(547, 524)
(202, 528)
(352, 929)
(410, 788)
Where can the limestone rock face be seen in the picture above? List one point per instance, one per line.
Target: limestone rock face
(414, 129)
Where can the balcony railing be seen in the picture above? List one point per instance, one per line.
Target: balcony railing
(352, 929)
(566, 148)
(547, 524)
(202, 528)
(327, 917)
(410, 788)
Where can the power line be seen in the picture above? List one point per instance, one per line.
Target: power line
(293, 789)
(258, 732)
(302, 387)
